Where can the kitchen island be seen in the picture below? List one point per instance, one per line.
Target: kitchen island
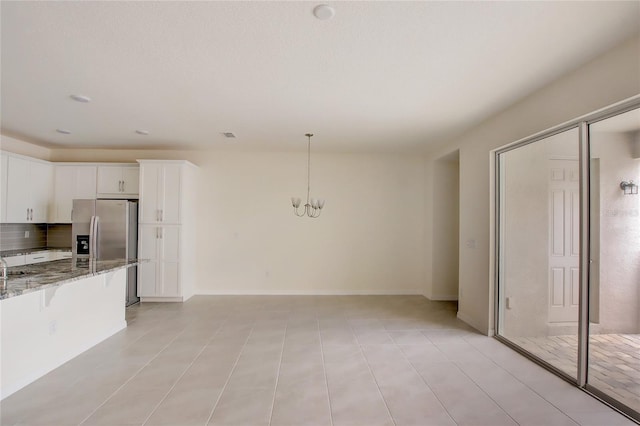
(51, 312)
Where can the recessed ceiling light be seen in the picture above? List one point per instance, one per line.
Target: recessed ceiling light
(323, 12)
(80, 98)
(229, 135)
(64, 131)
(142, 132)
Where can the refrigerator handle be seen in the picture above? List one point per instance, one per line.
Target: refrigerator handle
(93, 237)
(96, 230)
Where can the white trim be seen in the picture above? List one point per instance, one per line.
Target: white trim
(444, 298)
(162, 299)
(394, 292)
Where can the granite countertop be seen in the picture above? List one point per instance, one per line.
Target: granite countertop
(18, 252)
(29, 278)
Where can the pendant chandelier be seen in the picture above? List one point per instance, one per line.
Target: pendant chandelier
(314, 206)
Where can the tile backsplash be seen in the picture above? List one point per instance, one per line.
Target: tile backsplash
(13, 236)
(59, 236)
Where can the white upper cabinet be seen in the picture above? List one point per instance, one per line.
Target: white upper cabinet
(118, 181)
(161, 192)
(29, 190)
(72, 182)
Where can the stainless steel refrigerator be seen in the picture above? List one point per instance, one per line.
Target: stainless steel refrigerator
(104, 230)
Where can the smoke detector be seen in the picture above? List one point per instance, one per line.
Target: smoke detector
(229, 135)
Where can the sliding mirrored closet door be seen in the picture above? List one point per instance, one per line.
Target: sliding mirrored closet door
(568, 252)
(614, 279)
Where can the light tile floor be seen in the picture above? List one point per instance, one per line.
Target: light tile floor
(614, 361)
(295, 361)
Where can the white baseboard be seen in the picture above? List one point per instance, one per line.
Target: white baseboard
(161, 299)
(452, 298)
(394, 292)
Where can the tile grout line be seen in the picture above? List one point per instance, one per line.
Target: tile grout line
(424, 380)
(224, 387)
(366, 360)
(519, 381)
(275, 388)
(324, 372)
(182, 375)
(131, 378)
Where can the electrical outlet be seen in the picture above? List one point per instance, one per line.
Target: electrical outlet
(26, 234)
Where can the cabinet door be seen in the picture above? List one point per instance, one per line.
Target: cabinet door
(169, 249)
(64, 192)
(4, 165)
(171, 193)
(18, 190)
(85, 182)
(148, 241)
(147, 279)
(149, 192)
(169, 271)
(109, 180)
(72, 182)
(131, 180)
(41, 180)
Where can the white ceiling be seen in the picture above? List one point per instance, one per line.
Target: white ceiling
(379, 76)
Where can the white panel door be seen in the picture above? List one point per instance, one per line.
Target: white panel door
(564, 239)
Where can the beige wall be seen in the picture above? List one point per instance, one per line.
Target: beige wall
(609, 79)
(369, 239)
(376, 233)
(446, 197)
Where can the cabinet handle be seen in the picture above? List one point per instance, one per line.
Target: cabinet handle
(30, 214)
(157, 229)
(123, 188)
(39, 257)
(120, 185)
(161, 215)
(27, 213)
(160, 229)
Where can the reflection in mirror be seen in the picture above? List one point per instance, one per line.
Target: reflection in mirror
(539, 249)
(614, 292)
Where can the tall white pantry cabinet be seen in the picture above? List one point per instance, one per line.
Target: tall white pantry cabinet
(166, 230)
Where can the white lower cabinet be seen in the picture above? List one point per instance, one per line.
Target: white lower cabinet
(159, 273)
